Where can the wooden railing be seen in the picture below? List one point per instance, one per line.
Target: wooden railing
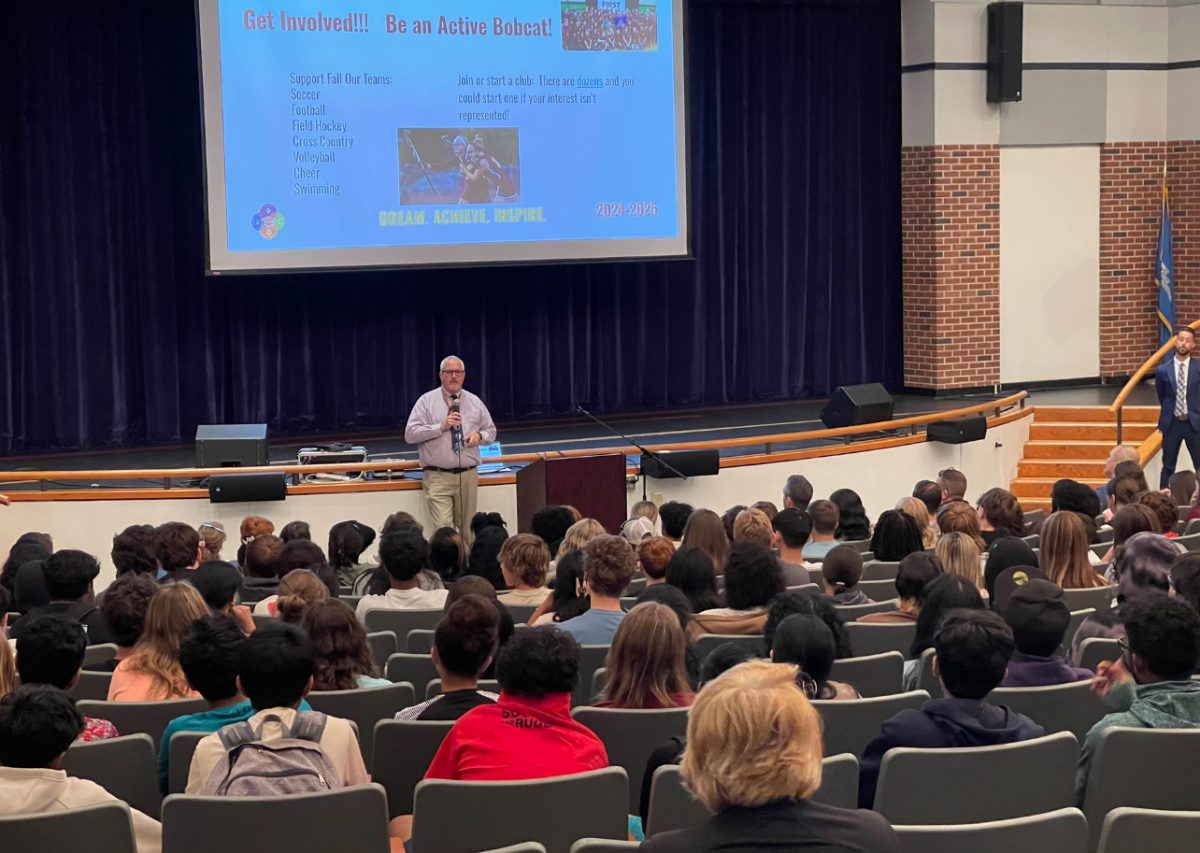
(176, 478)
(1134, 381)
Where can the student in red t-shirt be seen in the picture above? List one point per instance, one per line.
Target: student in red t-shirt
(529, 732)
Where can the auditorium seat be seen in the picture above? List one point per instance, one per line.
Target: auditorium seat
(400, 622)
(852, 612)
(878, 570)
(926, 680)
(1058, 708)
(591, 659)
(871, 675)
(415, 669)
(1096, 598)
(630, 736)
(124, 766)
(365, 706)
(521, 612)
(1143, 768)
(1190, 542)
(602, 845)
(599, 681)
(345, 819)
(884, 590)
(100, 653)
(1128, 830)
(1191, 527)
(1033, 540)
(850, 724)
(91, 685)
(146, 717)
(261, 620)
(672, 806)
(705, 643)
(419, 641)
(383, 646)
(180, 749)
(939, 786)
(403, 751)
(1061, 831)
(861, 545)
(1093, 650)
(1077, 617)
(488, 685)
(106, 828)
(867, 638)
(554, 812)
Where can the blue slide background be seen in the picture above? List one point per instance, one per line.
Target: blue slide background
(621, 149)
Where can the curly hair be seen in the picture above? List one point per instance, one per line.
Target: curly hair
(339, 643)
(538, 661)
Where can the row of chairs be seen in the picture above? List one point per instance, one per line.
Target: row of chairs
(932, 797)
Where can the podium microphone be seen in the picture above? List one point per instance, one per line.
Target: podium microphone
(456, 436)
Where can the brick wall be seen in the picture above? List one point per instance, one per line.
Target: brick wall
(1184, 182)
(1130, 192)
(951, 226)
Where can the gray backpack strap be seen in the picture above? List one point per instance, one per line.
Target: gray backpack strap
(236, 734)
(309, 725)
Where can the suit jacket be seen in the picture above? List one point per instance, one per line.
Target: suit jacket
(1165, 380)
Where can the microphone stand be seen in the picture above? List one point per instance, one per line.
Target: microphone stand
(643, 450)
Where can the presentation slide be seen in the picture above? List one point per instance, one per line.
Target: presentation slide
(356, 133)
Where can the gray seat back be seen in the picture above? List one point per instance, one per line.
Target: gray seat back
(91, 685)
(1128, 830)
(851, 612)
(630, 736)
(400, 622)
(106, 828)
(1058, 708)
(150, 718)
(873, 675)
(180, 751)
(383, 646)
(868, 638)
(850, 724)
(1060, 831)
(415, 669)
(705, 643)
(365, 706)
(123, 766)
(591, 658)
(403, 752)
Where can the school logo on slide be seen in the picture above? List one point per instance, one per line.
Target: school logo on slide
(267, 222)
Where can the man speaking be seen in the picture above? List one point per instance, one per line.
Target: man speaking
(448, 425)
(1178, 385)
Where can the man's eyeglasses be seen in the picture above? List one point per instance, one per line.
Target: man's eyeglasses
(454, 372)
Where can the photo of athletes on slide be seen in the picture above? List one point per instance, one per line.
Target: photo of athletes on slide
(445, 165)
(610, 25)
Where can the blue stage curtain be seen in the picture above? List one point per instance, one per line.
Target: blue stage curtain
(110, 333)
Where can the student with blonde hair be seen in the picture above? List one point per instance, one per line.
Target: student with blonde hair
(753, 758)
(1064, 552)
(920, 513)
(580, 533)
(524, 563)
(152, 671)
(212, 535)
(959, 554)
(646, 663)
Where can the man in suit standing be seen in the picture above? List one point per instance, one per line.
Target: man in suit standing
(1177, 382)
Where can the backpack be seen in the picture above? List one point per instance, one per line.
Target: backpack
(292, 764)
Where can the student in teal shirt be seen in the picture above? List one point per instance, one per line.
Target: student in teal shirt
(208, 656)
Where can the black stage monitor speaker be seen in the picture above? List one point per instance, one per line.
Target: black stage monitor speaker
(1004, 52)
(852, 405)
(689, 463)
(231, 445)
(237, 488)
(957, 430)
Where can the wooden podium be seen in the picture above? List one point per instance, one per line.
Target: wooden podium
(594, 485)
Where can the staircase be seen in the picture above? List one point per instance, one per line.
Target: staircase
(1074, 441)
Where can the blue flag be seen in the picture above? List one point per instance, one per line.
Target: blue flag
(1164, 272)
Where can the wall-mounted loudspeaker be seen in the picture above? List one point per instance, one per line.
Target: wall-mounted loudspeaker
(1004, 52)
(957, 430)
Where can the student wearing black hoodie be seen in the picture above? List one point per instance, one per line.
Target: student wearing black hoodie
(972, 648)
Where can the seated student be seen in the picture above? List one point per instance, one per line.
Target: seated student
(824, 517)
(791, 531)
(37, 725)
(275, 672)
(68, 576)
(752, 578)
(606, 573)
(260, 561)
(404, 554)
(1151, 686)
(151, 672)
(179, 550)
(297, 590)
(896, 535)
(753, 758)
(50, 651)
(674, 517)
(464, 644)
(208, 656)
(806, 601)
(752, 525)
(133, 551)
(124, 608)
(524, 561)
(647, 663)
(339, 641)
(219, 582)
(1039, 618)
(805, 641)
(973, 647)
(653, 555)
(914, 572)
(842, 570)
(529, 733)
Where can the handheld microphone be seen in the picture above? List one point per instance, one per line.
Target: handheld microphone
(456, 434)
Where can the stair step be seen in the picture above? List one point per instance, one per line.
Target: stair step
(1075, 450)
(1094, 414)
(1075, 469)
(1030, 504)
(1089, 432)
(1041, 487)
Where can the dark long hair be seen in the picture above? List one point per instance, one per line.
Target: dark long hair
(566, 604)
(853, 524)
(942, 594)
(339, 643)
(691, 570)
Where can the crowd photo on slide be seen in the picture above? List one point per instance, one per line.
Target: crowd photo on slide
(609, 25)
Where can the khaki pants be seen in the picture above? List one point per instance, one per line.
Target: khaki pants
(451, 498)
